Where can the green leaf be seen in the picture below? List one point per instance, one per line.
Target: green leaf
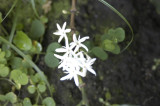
(11, 97)
(116, 50)
(41, 87)
(100, 53)
(19, 77)
(36, 48)
(2, 98)
(52, 47)
(27, 102)
(108, 45)
(51, 60)
(16, 62)
(2, 57)
(89, 44)
(31, 89)
(37, 29)
(48, 101)
(1, 17)
(4, 71)
(108, 96)
(118, 34)
(22, 41)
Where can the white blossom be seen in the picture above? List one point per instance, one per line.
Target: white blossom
(77, 43)
(73, 61)
(62, 32)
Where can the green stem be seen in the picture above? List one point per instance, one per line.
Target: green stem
(4, 30)
(14, 4)
(124, 19)
(34, 8)
(13, 29)
(8, 81)
(28, 60)
(84, 96)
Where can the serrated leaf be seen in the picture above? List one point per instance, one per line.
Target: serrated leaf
(108, 45)
(52, 47)
(37, 29)
(11, 97)
(4, 71)
(41, 87)
(27, 102)
(48, 101)
(22, 41)
(19, 77)
(51, 60)
(100, 53)
(31, 89)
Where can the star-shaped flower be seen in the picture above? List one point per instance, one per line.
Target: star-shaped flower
(62, 32)
(77, 43)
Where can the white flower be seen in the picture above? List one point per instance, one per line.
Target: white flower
(78, 42)
(71, 74)
(62, 32)
(74, 62)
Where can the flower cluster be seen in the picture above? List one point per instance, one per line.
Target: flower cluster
(74, 61)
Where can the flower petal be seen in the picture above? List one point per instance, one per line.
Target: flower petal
(60, 38)
(74, 38)
(64, 26)
(76, 80)
(67, 77)
(61, 50)
(85, 47)
(92, 71)
(57, 33)
(83, 39)
(68, 30)
(59, 28)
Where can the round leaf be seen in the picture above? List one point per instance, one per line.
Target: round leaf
(116, 50)
(27, 102)
(117, 34)
(2, 98)
(4, 71)
(19, 77)
(100, 53)
(11, 97)
(37, 29)
(16, 62)
(41, 87)
(51, 60)
(31, 89)
(108, 45)
(22, 41)
(52, 47)
(48, 101)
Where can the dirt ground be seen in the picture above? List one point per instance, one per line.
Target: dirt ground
(128, 76)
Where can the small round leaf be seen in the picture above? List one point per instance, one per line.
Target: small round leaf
(52, 47)
(27, 102)
(22, 41)
(100, 53)
(37, 29)
(51, 60)
(31, 89)
(48, 101)
(41, 87)
(11, 97)
(4, 71)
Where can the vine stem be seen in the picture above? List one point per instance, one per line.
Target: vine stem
(73, 29)
(72, 20)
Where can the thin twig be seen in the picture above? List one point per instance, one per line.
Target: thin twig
(72, 21)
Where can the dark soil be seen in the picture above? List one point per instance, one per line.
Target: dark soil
(129, 76)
